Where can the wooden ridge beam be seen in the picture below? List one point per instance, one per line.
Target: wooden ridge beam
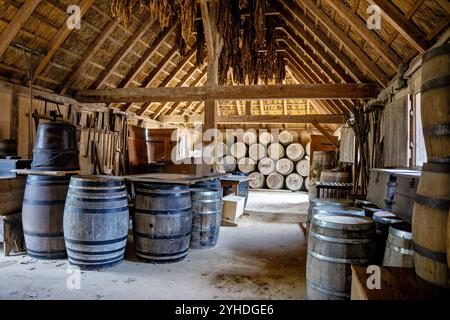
(89, 54)
(122, 54)
(13, 28)
(257, 92)
(59, 39)
(348, 43)
(371, 37)
(406, 28)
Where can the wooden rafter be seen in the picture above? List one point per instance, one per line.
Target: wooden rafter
(89, 54)
(13, 28)
(406, 28)
(348, 43)
(59, 39)
(298, 14)
(196, 82)
(326, 134)
(311, 118)
(371, 37)
(122, 54)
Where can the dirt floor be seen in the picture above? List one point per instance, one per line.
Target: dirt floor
(256, 260)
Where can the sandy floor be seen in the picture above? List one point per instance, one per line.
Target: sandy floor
(256, 260)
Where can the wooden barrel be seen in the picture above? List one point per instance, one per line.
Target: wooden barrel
(448, 241)
(206, 218)
(266, 166)
(307, 184)
(335, 209)
(319, 202)
(250, 137)
(331, 176)
(228, 163)
(294, 182)
(265, 138)
(238, 150)
(257, 151)
(275, 181)
(435, 96)
(334, 244)
(275, 151)
(162, 222)
(258, 180)
(284, 166)
(285, 138)
(429, 224)
(246, 165)
(302, 167)
(360, 203)
(8, 147)
(399, 247)
(11, 195)
(383, 221)
(96, 221)
(308, 149)
(371, 210)
(324, 158)
(56, 147)
(295, 151)
(42, 216)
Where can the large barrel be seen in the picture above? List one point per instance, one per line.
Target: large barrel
(246, 165)
(295, 151)
(250, 137)
(275, 151)
(383, 221)
(258, 180)
(265, 138)
(275, 181)
(42, 216)
(8, 147)
(435, 96)
(228, 163)
(206, 218)
(302, 167)
(399, 247)
(257, 151)
(266, 166)
(238, 150)
(96, 221)
(285, 138)
(294, 182)
(429, 224)
(284, 166)
(334, 244)
(56, 148)
(335, 209)
(162, 222)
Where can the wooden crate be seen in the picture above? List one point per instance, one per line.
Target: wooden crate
(233, 207)
(395, 284)
(11, 195)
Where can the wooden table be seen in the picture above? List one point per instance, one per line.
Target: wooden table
(234, 182)
(396, 284)
(170, 178)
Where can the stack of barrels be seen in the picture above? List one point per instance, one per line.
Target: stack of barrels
(272, 162)
(55, 149)
(430, 225)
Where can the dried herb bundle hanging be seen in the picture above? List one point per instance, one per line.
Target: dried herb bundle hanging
(259, 20)
(201, 44)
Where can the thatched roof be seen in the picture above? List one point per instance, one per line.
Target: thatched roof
(321, 44)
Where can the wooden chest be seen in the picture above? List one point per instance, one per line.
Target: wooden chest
(405, 191)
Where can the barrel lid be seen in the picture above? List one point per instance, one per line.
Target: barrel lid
(97, 180)
(343, 222)
(363, 202)
(401, 230)
(331, 202)
(385, 217)
(333, 210)
(371, 209)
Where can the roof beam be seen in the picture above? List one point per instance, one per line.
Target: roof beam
(193, 84)
(348, 43)
(59, 39)
(122, 54)
(256, 92)
(334, 140)
(310, 118)
(89, 54)
(13, 28)
(371, 37)
(298, 14)
(406, 28)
